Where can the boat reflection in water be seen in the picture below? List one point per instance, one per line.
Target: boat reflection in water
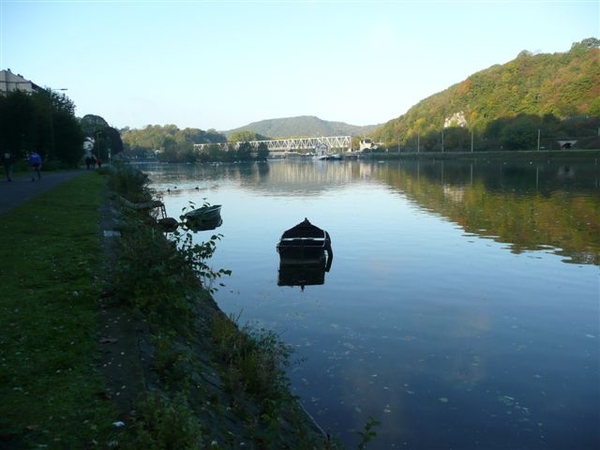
(305, 254)
(205, 225)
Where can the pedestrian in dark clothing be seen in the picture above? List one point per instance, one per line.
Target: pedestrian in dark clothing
(8, 161)
(35, 161)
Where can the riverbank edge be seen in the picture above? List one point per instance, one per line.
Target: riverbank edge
(192, 381)
(512, 156)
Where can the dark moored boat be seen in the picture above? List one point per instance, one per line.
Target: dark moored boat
(305, 255)
(205, 217)
(304, 241)
(204, 213)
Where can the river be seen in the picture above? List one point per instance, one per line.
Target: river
(461, 310)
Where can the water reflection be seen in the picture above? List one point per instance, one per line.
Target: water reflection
(205, 225)
(303, 272)
(549, 206)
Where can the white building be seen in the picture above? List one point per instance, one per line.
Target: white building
(10, 82)
(367, 144)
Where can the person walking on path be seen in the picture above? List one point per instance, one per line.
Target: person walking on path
(35, 161)
(8, 161)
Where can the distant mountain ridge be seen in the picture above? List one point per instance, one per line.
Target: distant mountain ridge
(303, 126)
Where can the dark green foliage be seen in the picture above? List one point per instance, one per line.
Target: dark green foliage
(504, 106)
(256, 358)
(16, 123)
(244, 152)
(91, 123)
(262, 152)
(166, 423)
(368, 433)
(197, 255)
(69, 139)
(43, 121)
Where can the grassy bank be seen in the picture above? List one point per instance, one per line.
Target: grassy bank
(50, 255)
(118, 343)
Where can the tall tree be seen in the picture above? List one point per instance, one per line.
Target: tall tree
(262, 152)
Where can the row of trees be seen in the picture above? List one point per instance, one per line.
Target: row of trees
(170, 144)
(523, 132)
(232, 152)
(44, 121)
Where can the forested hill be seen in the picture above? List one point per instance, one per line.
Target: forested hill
(542, 88)
(302, 126)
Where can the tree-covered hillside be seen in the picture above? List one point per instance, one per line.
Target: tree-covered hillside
(504, 105)
(303, 126)
(171, 142)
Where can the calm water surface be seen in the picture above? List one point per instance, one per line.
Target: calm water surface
(462, 306)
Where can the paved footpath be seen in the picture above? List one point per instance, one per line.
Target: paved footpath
(21, 189)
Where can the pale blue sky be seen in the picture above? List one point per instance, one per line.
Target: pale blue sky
(224, 64)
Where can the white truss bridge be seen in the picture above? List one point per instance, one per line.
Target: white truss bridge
(293, 144)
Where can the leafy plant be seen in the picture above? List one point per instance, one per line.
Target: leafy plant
(368, 433)
(196, 255)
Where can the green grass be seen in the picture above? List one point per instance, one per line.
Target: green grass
(50, 253)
